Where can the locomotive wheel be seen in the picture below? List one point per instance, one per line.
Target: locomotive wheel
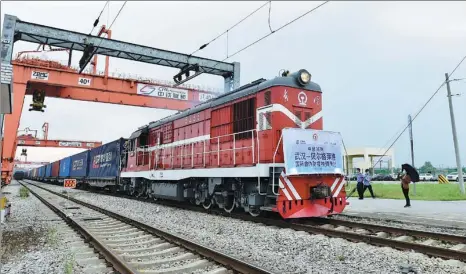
(131, 191)
(230, 207)
(207, 204)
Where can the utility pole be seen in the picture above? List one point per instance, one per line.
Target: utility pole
(455, 139)
(410, 121)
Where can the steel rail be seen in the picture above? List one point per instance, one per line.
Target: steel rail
(113, 259)
(434, 251)
(394, 230)
(229, 262)
(312, 228)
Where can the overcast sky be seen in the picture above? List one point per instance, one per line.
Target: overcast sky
(377, 62)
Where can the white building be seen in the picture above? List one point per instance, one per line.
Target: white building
(369, 156)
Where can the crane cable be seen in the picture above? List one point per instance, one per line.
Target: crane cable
(265, 36)
(422, 108)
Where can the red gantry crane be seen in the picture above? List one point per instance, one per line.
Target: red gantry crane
(40, 78)
(29, 140)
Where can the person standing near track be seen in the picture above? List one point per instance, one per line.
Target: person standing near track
(359, 185)
(410, 175)
(367, 184)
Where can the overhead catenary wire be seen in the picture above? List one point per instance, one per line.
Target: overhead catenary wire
(269, 34)
(277, 30)
(230, 28)
(270, 11)
(422, 108)
(118, 14)
(96, 48)
(96, 22)
(108, 13)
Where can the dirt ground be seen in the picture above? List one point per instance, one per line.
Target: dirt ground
(16, 242)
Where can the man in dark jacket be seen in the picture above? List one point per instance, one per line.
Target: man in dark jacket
(359, 185)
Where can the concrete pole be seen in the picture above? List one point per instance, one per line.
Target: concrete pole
(410, 121)
(1, 149)
(455, 139)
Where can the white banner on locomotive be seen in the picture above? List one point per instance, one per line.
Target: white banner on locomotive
(308, 151)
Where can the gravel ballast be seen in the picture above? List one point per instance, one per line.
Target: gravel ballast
(275, 249)
(31, 242)
(401, 224)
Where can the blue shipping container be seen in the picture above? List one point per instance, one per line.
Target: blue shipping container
(104, 161)
(48, 171)
(79, 164)
(65, 167)
(41, 171)
(44, 169)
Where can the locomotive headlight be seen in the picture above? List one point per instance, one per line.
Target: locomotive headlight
(304, 77)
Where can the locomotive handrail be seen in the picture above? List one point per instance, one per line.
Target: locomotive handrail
(183, 154)
(273, 161)
(258, 163)
(144, 150)
(218, 150)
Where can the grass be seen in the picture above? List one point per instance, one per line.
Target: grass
(427, 192)
(69, 265)
(23, 192)
(52, 237)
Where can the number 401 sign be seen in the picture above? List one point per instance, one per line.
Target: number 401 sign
(84, 81)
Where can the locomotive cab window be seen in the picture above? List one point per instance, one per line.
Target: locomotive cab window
(143, 139)
(243, 118)
(131, 144)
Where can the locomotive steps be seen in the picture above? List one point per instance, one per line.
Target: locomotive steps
(133, 247)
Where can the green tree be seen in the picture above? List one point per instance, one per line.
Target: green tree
(427, 167)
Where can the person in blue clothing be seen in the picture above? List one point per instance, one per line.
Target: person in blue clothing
(367, 183)
(359, 185)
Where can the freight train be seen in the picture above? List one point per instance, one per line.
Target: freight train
(258, 148)
(18, 175)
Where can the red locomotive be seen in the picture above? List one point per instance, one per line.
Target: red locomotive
(229, 152)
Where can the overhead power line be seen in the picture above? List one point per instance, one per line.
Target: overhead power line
(422, 108)
(96, 22)
(270, 11)
(277, 30)
(84, 64)
(118, 14)
(459, 79)
(262, 38)
(232, 27)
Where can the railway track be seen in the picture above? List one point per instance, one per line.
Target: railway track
(433, 244)
(440, 245)
(129, 246)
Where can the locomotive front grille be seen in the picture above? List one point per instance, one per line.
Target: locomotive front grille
(320, 192)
